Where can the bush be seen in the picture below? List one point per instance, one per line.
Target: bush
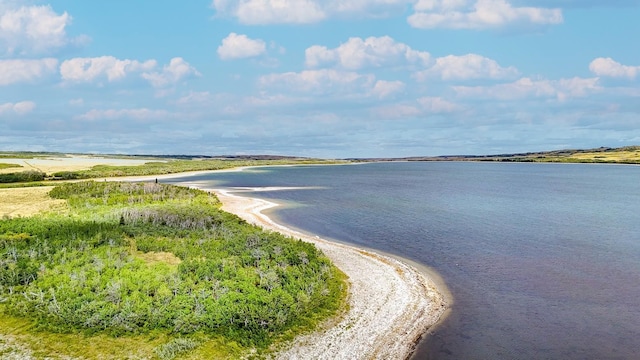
(24, 176)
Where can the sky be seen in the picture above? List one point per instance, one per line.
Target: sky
(319, 78)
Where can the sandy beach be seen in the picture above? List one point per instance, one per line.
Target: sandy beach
(391, 304)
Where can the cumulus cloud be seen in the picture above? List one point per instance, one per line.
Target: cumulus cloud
(33, 29)
(456, 14)
(177, 70)
(318, 81)
(262, 12)
(109, 67)
(237, 46)
(611, 68)
(17, 71)
(480, 14)
(358, 53)
(466, 67)
(527, 88)
(19, 108)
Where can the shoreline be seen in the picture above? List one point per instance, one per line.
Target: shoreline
(386, 317)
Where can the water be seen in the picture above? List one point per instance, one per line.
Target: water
(542, 260)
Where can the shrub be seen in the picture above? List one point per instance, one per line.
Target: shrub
(24, 176)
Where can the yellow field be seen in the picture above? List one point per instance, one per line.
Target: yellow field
(28, 201)
(72, 163)
(614, 156)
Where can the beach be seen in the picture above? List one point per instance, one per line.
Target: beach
(391, 304)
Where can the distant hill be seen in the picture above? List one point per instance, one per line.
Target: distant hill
(622, 155)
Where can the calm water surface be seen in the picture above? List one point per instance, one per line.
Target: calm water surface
(543, 260)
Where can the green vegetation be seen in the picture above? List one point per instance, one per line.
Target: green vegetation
(161, 261)
(25, 176)
(25, 185)
(9, 166)
(176, 166)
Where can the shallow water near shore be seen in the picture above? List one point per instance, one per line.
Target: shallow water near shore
(543, 260)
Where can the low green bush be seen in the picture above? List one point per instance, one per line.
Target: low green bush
(24, 176)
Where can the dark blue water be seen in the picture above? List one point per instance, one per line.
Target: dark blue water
(542, 260)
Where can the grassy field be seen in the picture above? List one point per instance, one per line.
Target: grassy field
(629, 155)
(52, 164)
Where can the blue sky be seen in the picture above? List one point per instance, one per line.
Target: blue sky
(323, 78)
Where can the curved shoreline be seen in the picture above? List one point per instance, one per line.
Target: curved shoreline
(386, 317)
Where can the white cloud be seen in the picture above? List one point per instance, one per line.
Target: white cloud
(383, 89)
(611, 68)
(114, 114)
(16, 71)
(109, 68)
(171, 74)
(357, 53)
(457, 14)
(33, 29)
(481, 14)
(527, 88)
(319, 81)
(19, 108)
(237, 46)
(262, 12)
(97, 68)
(466, 67)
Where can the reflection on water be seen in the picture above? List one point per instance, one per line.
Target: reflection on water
(543, 260)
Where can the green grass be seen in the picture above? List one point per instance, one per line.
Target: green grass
(9, 166)
(43, 344)
(209, 276)
(27, 184)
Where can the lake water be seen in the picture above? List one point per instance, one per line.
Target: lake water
(542, 260)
